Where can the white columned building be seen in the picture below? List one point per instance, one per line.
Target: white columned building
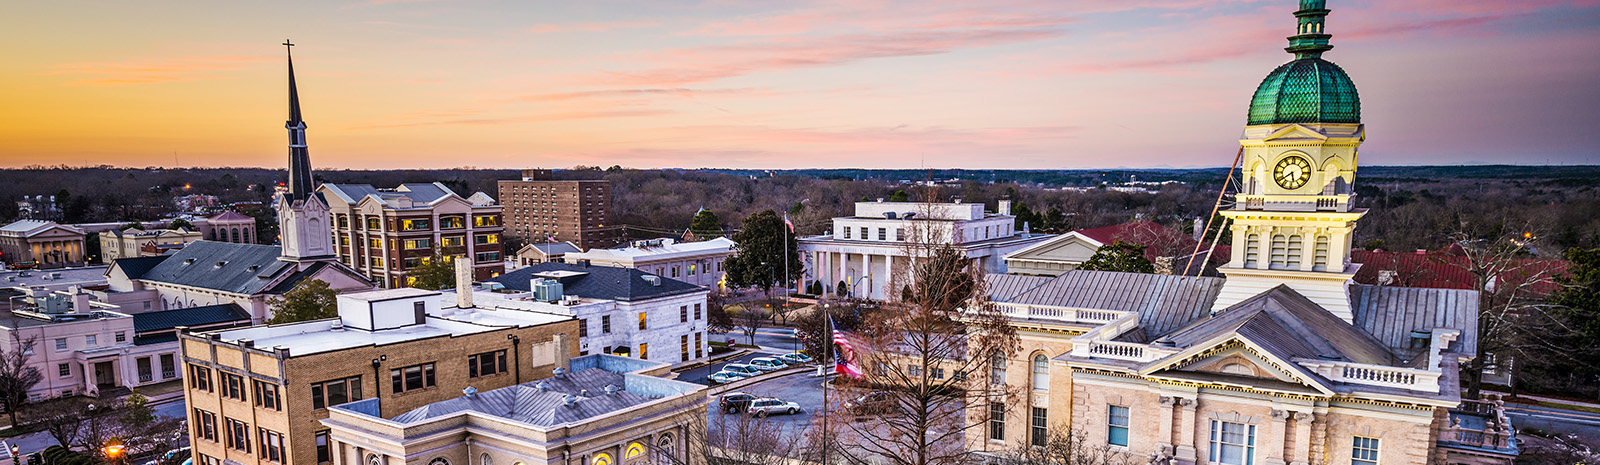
(865, 250)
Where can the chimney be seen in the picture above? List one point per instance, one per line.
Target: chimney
(1004, 208)
(463, 282)
(563, 352)
(80, 303)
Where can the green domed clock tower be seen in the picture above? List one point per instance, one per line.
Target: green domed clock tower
(1292, 220)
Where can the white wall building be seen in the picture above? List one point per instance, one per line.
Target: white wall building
(620, 311)
(697, 263)
(865, 250)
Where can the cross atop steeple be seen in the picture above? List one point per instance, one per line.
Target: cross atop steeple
(300, 181)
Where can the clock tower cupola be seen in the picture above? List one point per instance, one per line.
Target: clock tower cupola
(1292, 219)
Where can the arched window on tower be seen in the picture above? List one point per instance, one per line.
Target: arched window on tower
(1319, 262)
(1294, 253)
(235, 235)
(1280, 251)
(1252, 250)
(247, 235)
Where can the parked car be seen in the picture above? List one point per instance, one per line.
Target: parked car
(734, 402)
(174, 457)
(768, 364)
(872, 403)
(796, 358)
(725, 377)
(767, 406)
(741, 368)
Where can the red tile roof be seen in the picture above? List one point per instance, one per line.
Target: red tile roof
(1448, 268)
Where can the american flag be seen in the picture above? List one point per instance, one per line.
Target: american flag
(788, 223)
(844, 354)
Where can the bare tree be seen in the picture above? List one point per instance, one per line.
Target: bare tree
(1063, 446)
(16, 376)
(750, 318)
(737, 438)
(1514, 322)
(929, 352)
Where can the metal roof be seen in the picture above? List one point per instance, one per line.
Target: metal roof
(1390, 314)
(228, 267)
(192, 316)
(1004, 287)
(1164, 302)
(1288, 325)
(528, 403)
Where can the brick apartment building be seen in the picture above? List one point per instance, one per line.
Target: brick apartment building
(384, 233)
(540, 209)
(258, 395)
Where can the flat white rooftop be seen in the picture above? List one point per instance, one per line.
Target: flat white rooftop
(311, 337)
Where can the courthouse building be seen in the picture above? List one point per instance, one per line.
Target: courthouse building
(1285, 359)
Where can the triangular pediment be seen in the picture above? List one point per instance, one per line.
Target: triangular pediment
(1295, 132)
(1235, 360)
(1066, 247)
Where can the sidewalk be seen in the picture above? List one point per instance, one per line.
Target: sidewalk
(1595, 406)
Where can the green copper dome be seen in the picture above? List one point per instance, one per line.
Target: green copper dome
(1308, 89)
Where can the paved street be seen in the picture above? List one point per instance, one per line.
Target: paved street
(778, 339)
(1583, 425)
(798, 388)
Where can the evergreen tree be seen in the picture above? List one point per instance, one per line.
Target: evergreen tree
(1119, 256)
(180, 223)
(706, 225)
(309, 300)
(900, 196)
(762, 252)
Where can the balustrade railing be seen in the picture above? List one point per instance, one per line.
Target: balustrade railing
(1375, 375)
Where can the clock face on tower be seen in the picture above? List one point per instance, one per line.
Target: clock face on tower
(1292, 172)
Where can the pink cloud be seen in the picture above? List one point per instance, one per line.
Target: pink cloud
(497, 121)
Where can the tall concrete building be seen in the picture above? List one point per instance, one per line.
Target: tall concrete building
(541, 209)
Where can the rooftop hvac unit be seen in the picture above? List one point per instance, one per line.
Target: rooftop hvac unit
(546, 290)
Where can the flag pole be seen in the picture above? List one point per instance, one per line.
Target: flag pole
(825, 388)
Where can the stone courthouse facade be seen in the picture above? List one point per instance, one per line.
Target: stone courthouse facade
(1285, 360)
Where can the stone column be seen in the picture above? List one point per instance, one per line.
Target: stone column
(1302, 439)
(1164, 430)
(1273, 445)
(866, 270)
(1186, 450)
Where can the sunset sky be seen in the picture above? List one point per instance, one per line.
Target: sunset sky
(1034, 84)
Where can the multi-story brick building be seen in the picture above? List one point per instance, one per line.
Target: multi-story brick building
(258, 395)
(542, 209)
(384, 233)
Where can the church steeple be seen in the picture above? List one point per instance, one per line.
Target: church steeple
(299, 159)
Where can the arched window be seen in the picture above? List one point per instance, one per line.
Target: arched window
(1294, 252)
(664, 451)
(1252, 250)
(247, 235)
(235, 235)
(485, 460)
(997, 370)
(1041, 372)
(374, 459)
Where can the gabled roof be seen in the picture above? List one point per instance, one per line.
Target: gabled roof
(553, 248)
(223, 266)
(29, 228)
(192, 316)
(600, 282)
(1288, 325)
(1164, 302)
(136, 267)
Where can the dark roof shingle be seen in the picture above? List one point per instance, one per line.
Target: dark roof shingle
(600, 282)
(192, 316)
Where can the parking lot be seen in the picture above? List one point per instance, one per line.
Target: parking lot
(800, 388)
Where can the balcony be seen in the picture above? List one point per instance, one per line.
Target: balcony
(1479, 433)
